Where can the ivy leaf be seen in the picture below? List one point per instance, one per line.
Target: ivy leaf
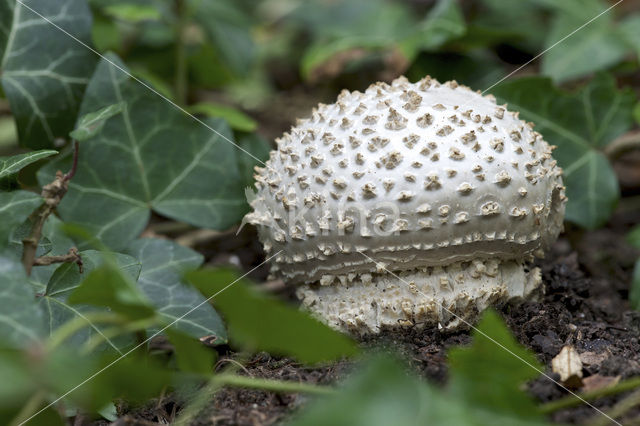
(579, 124)
(163, 264)
(259, 322)
(236, 118)
(630, 30)
(108, 287)
(229, 30)
(595, 47)
(485, 389)
(44, 71)
(91, 124)
(15, 207)
(55, 300)
(191, 355)
(133, 13)
(151, 156)
(13, 164)
(490, 372)
(21, 320)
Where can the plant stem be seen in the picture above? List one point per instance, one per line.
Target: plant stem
(279, 386)
(625, 143)
(30, 407)
(52, 194)
(618, 410)
(572, 401)
(181, 80)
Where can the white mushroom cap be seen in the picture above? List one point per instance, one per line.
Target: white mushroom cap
(406, 176)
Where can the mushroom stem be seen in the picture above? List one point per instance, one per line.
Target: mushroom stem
(449, 297)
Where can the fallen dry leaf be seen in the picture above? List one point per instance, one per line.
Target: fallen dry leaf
(568, 365)
(597, 381)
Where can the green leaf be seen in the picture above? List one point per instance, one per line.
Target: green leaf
(163, 264)
(151, 156)
(490, 372)
(91, 124)
(579, 124)
(353, 31)
(15, 207)
(381, 394)
(443, 23)
(259, 322)
(596, 46)
(191, 355)
(633, 237)
(13, 164)
(107, 286)
(636, 113)
(520, 23)
(630, 30)
(44, 70)
(384, 393)
(229, 30)
(67, 278)
(133, 13)
(22, 322)
(236, 118)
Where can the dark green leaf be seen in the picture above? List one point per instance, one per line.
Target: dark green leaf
(21, 319)
(13, 164)
(133, 13)
(630, 30)
(491, 372)
(594, 47)
(633, 237)
(236, 118)
(343, 26)
(44, 70)
(107, 286)
(520, 23)
(151, 156)
(66, 278)
(579, 124)
(379, 395)
(259, 322)
(15, 207)
(229, 30)
(443, 23)
(384, 393)
(191, 355)
(91, 124)
(163, 264)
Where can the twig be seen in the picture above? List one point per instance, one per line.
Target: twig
(72, 257)
(572, 401)
(52, 194)
(271, 385)
(74, 165)
(618, 410)
(625, 143)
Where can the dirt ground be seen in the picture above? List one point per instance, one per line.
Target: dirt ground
(586, 276)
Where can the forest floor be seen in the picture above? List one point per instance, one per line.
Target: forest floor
(586, 277)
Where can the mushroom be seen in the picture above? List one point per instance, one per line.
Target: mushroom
(409, 205)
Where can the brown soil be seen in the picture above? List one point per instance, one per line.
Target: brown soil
(587, 276)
